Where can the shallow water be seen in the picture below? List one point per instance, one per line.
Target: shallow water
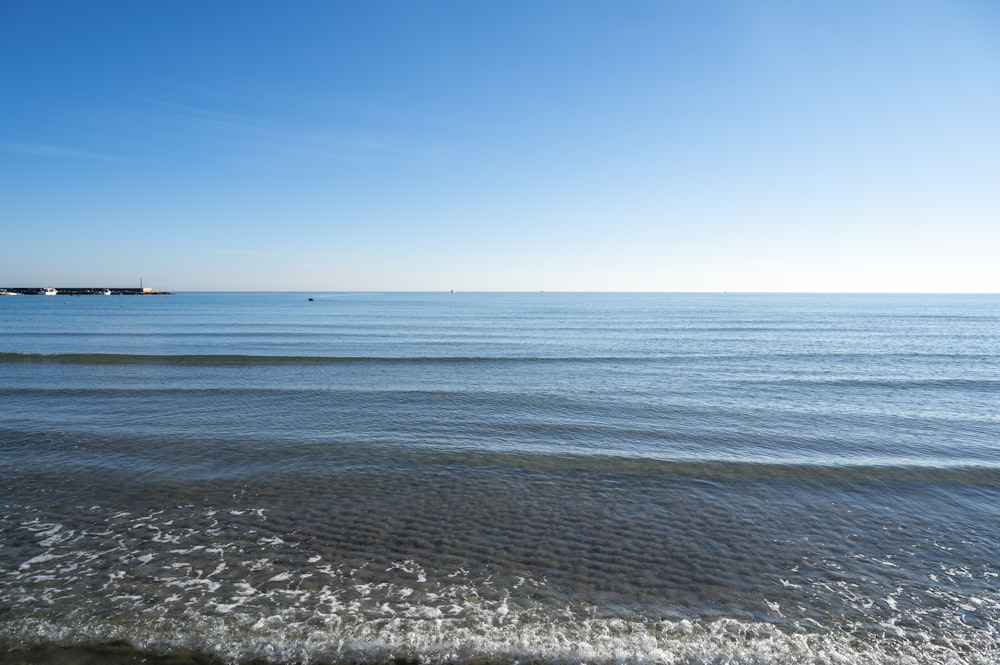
(501, 478)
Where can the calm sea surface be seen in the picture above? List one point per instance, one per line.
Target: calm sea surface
(500, 478)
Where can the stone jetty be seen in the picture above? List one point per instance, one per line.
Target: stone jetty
(77, 291)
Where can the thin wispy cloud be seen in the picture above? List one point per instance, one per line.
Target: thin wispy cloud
(198, 117)
(241, 252)
(43, 150)
(259, 133)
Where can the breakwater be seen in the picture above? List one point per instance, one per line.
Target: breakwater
(77, 291)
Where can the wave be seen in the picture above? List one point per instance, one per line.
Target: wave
(214, 360)
(901, 383)
(725, 472)
(324, 455)
(223, 359)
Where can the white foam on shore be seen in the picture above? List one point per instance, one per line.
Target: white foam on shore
(438, 640)
(239, 597)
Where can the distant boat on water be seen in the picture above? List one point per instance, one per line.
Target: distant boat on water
(107, 292)
(5, 292)
(49, 291)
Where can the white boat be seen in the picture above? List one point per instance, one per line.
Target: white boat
(107, 292)
(49, 291)
(5, 292)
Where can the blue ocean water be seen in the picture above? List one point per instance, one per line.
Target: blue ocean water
(501, 478)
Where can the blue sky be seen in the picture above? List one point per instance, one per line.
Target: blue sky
(485, 145)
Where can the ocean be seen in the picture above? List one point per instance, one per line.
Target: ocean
(524, 478)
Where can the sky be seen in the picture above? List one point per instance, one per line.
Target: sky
(487, 145)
